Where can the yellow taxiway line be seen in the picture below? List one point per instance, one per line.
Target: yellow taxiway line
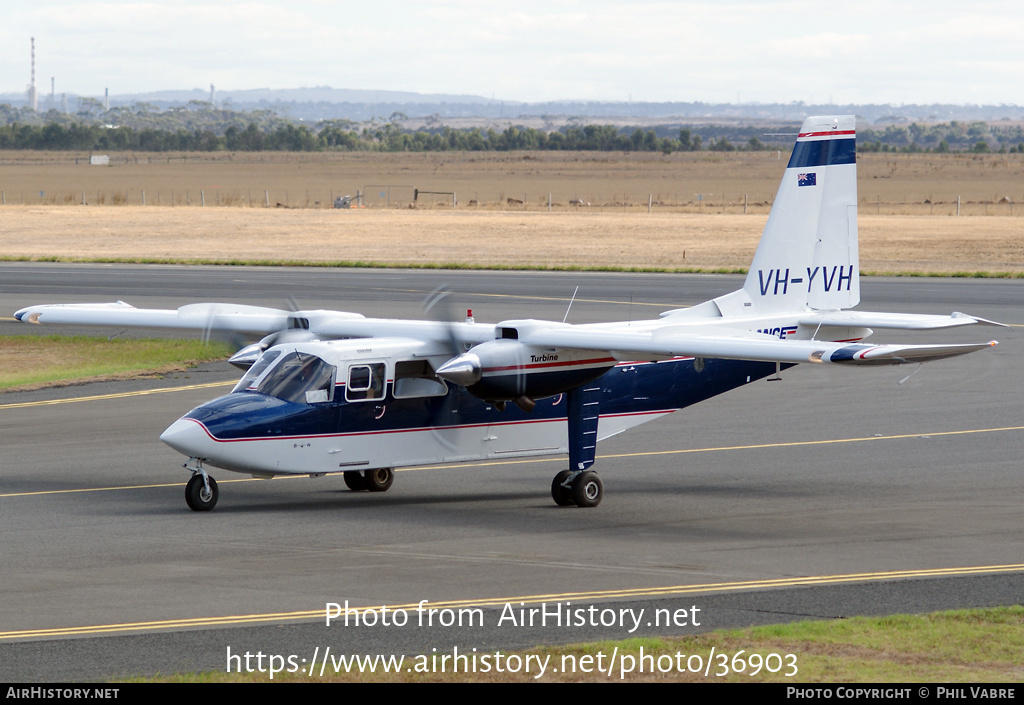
(633, 593)
(117, 395)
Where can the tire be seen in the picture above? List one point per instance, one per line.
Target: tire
(587, 489)
(562, 495)
(379, 480)
(197, 497)
(354, 480)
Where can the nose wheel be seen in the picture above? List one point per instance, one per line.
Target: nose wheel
(582, 489)
(201, 492)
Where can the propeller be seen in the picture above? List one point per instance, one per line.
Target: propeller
(463, 367)
(437, 306)
(296, 330)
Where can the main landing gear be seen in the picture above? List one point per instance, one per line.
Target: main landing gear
(378, 480)
(582, 489)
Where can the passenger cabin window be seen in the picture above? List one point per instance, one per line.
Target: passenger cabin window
(299, 378)
(366, 382)
(416, 378)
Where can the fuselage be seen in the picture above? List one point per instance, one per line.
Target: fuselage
(391, 423)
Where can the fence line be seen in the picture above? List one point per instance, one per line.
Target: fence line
(405, 197)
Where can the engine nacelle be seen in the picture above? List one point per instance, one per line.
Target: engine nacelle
(247, 356)
(506, 370)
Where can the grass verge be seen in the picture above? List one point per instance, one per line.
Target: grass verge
(961, 646)
(33, 362)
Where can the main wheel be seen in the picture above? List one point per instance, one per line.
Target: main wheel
(559, 492)
(354, 480)
(379, 480)
(587, 489)
(197, 497)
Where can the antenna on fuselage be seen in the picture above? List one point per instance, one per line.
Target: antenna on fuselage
(566, 316)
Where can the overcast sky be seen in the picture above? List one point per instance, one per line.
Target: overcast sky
(884, 51)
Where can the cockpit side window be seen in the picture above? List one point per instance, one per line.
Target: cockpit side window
(300, 378)
(416, 378)
(366, 382)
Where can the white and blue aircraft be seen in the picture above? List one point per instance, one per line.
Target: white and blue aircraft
(334, 392)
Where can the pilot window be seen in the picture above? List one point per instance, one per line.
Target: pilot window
(299, 378)
(253, 373)
(366, 382)
(415, 378)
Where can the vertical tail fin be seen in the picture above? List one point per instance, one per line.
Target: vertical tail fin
(808, 256)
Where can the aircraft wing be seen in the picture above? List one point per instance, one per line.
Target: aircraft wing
(465, 333)
(241, 318)
(228, 317)
(670, 342)
(666, 341)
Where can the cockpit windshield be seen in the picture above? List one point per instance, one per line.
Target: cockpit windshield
(253, 373)
(299, 378)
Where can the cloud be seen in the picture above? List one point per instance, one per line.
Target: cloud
(530, 51)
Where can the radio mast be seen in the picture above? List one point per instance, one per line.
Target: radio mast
(33, 97)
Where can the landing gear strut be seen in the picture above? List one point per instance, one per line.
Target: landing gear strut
(582, 489)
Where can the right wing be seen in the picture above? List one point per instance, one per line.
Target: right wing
(675, 341)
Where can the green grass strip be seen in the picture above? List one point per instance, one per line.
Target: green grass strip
(961, 646)
(35, 361)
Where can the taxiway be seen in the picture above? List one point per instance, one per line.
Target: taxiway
(832, 492)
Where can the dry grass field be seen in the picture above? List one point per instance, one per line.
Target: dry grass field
(697, 220)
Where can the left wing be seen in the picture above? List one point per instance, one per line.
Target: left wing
(238, 318)
(256, 320)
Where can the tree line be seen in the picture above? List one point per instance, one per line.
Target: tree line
(199, 127)
(388, 137)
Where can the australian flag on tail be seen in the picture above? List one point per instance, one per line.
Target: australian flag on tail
(809, 179)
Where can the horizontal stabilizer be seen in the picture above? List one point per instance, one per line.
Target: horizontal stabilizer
(900, 354)
(904, 321)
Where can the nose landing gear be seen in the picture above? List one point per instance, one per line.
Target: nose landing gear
(201, 491)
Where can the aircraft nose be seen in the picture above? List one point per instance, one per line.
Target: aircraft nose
(187, 437)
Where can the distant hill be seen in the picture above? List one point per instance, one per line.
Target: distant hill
(316, 94)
